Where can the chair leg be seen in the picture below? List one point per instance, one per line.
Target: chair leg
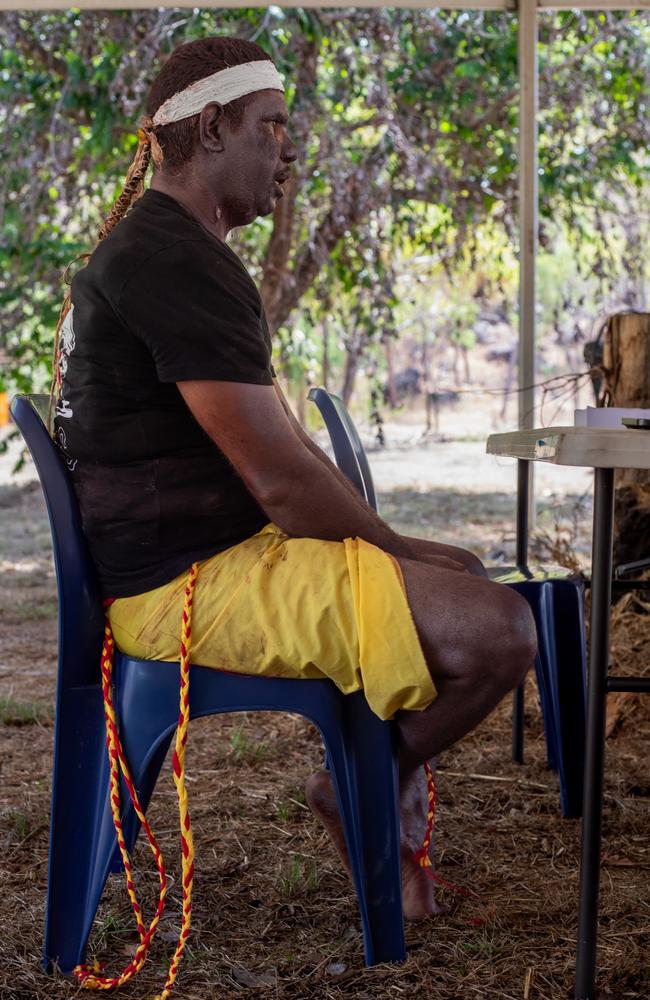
(541, 600)
(568, 683)
(83, 848)
(558, 607)
(518, 704)
(518, 723)
(79, 857)
(535, 593)
(361, 756)
(546, 669)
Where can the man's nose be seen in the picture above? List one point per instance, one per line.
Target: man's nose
(289, 151)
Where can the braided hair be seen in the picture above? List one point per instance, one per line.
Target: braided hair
(169, 146)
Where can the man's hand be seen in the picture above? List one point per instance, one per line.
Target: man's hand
(428, 551)
(442, 562)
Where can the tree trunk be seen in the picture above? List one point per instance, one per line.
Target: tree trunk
(278, 253)
(391, 392)
(626, 365)
(301, 398)
(326, 353)
(509, 379)
(627, 370)
(465, 355)
(350, 374)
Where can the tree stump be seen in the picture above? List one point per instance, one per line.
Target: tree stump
(626, 370)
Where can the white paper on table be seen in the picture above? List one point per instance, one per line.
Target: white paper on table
(607, 416)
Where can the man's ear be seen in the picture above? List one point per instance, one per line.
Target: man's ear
(211, 123)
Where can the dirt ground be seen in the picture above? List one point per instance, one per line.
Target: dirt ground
(274, 914)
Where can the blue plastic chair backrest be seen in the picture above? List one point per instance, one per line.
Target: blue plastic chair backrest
(346, 443)
(81, 619)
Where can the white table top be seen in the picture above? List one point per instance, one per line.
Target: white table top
(593, 447)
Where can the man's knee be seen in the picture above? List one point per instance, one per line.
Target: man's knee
(503, 643)
(515, 638)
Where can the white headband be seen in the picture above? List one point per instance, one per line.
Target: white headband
(223, 86)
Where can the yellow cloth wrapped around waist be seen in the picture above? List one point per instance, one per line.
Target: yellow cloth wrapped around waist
(291, 607)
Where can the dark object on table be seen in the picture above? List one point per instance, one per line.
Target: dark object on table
(636, 423)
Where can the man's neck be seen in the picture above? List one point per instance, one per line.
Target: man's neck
(195, 201)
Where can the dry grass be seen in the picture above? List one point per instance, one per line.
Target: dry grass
(274, 914)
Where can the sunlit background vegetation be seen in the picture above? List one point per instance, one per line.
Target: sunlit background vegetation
(389, 270)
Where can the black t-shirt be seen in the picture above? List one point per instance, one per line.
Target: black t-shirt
(161, 301)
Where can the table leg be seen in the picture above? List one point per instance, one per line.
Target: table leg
(601, 588)
(523, 502)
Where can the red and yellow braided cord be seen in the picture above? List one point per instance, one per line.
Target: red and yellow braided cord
(421, 857)
(187, 842)
(89, 975)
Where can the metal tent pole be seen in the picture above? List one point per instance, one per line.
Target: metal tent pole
(528, 103)
(528, 224)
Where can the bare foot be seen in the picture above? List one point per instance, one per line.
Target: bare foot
(418, 897)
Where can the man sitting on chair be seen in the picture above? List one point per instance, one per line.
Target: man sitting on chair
(182, 448)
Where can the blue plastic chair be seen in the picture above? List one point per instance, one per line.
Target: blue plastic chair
(556, 600)
(83, 849)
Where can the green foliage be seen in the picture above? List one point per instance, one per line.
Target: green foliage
(407, 126)
(243, 749)
(299, 876)
(17, 713)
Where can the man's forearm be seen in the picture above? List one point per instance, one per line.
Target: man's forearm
(317, 501)
(319, 453)
(334, 469)
(353, 492)
(416, 547)
(424, 550)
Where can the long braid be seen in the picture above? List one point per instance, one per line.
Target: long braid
(133, 188)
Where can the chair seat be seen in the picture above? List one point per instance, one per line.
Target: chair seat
(528, 574)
